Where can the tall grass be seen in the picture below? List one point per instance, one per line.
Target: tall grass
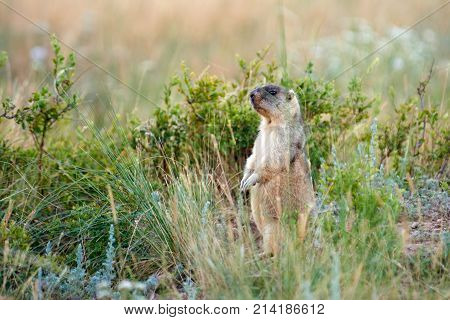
(192, 243)
(351, 250)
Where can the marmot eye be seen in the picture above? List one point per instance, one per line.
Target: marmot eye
(272, 92)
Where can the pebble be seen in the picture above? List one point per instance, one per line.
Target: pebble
(414, 225)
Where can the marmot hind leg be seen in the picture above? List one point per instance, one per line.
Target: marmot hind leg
(256, 210)
(266, 220)
(266, 208)
(270, 235)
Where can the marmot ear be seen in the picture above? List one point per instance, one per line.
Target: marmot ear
(291, 95)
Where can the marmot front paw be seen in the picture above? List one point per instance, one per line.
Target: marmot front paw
(246, 183)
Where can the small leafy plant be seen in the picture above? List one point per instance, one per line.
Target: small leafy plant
(45, 106)
(328, 115)
(416, 140)
(76, 283)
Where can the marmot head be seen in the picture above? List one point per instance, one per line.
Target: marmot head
(275, 103)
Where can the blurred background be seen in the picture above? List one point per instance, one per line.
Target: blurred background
(143, 42)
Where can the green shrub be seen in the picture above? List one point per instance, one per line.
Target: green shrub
(329, 116)
(364, 200)
(200, 111)
(16, 234)
(44, 107)
(415, 140)
(207, 109)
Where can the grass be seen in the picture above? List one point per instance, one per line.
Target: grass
(186, 235)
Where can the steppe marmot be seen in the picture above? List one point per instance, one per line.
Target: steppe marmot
(278, 172)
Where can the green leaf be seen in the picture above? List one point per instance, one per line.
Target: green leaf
(3, 58)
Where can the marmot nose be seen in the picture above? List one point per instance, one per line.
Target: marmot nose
(253, 95)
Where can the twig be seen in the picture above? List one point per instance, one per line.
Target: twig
(442, 170)
(8, 107)
(421, 89)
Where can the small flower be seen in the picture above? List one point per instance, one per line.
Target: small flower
(140, 286)
(38, 56)
(398, 63)
(125, 285)
(103, 290)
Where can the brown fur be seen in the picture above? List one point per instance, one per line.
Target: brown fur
(278, 171)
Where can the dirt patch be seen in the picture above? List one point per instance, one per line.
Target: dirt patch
(427, 218)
